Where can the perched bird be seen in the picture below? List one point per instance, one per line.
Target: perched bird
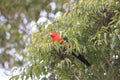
(56, 37)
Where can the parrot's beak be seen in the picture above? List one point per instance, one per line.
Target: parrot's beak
(51, 34)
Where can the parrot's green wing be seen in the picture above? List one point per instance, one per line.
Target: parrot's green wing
(66, 39)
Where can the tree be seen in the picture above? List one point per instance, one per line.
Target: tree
(93, 29)
(15, 20)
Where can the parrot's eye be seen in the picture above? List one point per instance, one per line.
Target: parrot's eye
(51, 35)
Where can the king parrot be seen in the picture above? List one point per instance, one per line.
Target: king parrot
(56, 37)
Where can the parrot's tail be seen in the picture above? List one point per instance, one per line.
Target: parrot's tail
(82, 58)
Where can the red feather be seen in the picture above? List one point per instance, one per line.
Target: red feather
(56, 37)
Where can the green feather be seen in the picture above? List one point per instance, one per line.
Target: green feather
(65, 38)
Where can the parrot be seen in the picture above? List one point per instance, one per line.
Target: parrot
(56, 37)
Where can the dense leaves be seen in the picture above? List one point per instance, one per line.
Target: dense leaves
(16, 18)
(93, 30)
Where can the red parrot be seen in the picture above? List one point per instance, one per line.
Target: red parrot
(56, 37)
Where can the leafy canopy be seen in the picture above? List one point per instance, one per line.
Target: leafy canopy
(93, 29)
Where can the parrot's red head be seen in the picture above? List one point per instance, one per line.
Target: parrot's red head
(53, 33)
(56, 37)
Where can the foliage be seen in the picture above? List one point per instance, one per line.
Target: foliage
(28, 9)
(93, 29)
(15, 19)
